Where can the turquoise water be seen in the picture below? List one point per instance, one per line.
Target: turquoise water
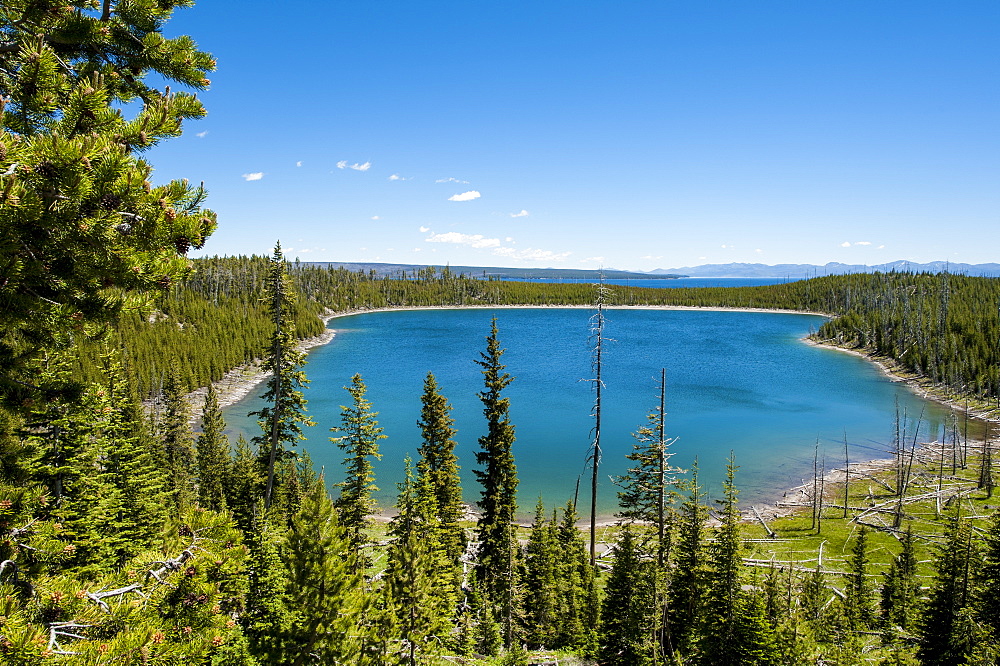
(739, 381)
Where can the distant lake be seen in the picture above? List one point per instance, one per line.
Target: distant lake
(673, 283)
(737, 381)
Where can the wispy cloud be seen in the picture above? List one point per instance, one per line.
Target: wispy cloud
(342, 164)
(396, 176)
(649, 256)
(299, 163)
(465, 196)
(376, 217)
(253, 176)
(201, 135)
(530, 254)
(863, 243)
(523, 213)
(472, 240)
(849, 243)
(593, 260)
(424, 230)
(451, 180)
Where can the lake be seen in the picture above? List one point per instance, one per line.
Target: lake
(736, 381)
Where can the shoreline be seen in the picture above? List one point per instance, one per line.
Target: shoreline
(241, 381)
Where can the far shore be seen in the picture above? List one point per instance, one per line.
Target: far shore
(241, 381)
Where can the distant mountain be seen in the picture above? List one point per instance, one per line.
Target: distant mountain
(498, 272)
(832, 268)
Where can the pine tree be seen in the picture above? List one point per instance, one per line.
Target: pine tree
(212, 454)
(577, 587)
(498, 476)
(360, 442)
(988, 585)
(282, 419)
(177, 440)
(85, 233)
(267, 621)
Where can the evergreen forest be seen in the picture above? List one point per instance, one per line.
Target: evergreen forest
(127, 536)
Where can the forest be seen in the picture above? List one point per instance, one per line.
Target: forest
(129, 539)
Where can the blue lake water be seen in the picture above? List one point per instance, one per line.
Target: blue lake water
(739, 381)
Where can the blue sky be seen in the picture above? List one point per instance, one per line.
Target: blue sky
(631, 135)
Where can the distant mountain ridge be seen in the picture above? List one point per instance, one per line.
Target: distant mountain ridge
(833, 268)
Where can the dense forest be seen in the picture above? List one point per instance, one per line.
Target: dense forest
(128, 541)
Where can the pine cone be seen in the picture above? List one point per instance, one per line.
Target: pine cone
(183, 244)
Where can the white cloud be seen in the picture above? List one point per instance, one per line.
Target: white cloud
(451, 180)
(846, 244)
(376, 217)
(523, 213)
(472, 240)
(593, 260)
(253, 176)
(201, 135)
(880, 247)
(396, 176)
(649, 256)
(417, 249)
(424, 230)
(305, 251)
(863, 243)
(342, 164)
(531, 254)
(299, 163)
(465, 196)
(509, 239)
(758, 251)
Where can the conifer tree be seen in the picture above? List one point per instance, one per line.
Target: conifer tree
(988, 584)
(647, 487)
(735, 629)
(438, 465)
(542, 603)
(858, 593)
(267, 621)
(244, 486)
(498, 475)
(419, 581)
(899, 591)
(212, 454)
(629, 608)
(326, 590)
(577, 587)
(85, 233)
(177, 439)
(689, 576)
(360, 442)
(282, 419)
(947, 626)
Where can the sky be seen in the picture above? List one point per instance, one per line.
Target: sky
(629, 134)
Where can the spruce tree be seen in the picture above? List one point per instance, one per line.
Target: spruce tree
(212, 454)
(858, 593)
(577, 587)
(899, 591)
(438, 465)
(689, 577)
(282, 418)
(244, 486)
(647, 487)
(360, 442)
(498, 476)
(947, 624)
(988, 584)
(326, 589)
(542, 603)
(178, 442)
(628, 615)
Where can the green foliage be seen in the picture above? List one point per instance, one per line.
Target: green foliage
(84, 235)
(498, 476)
(212, 454)
(178, 443)
(360, 442)
(628, 616)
